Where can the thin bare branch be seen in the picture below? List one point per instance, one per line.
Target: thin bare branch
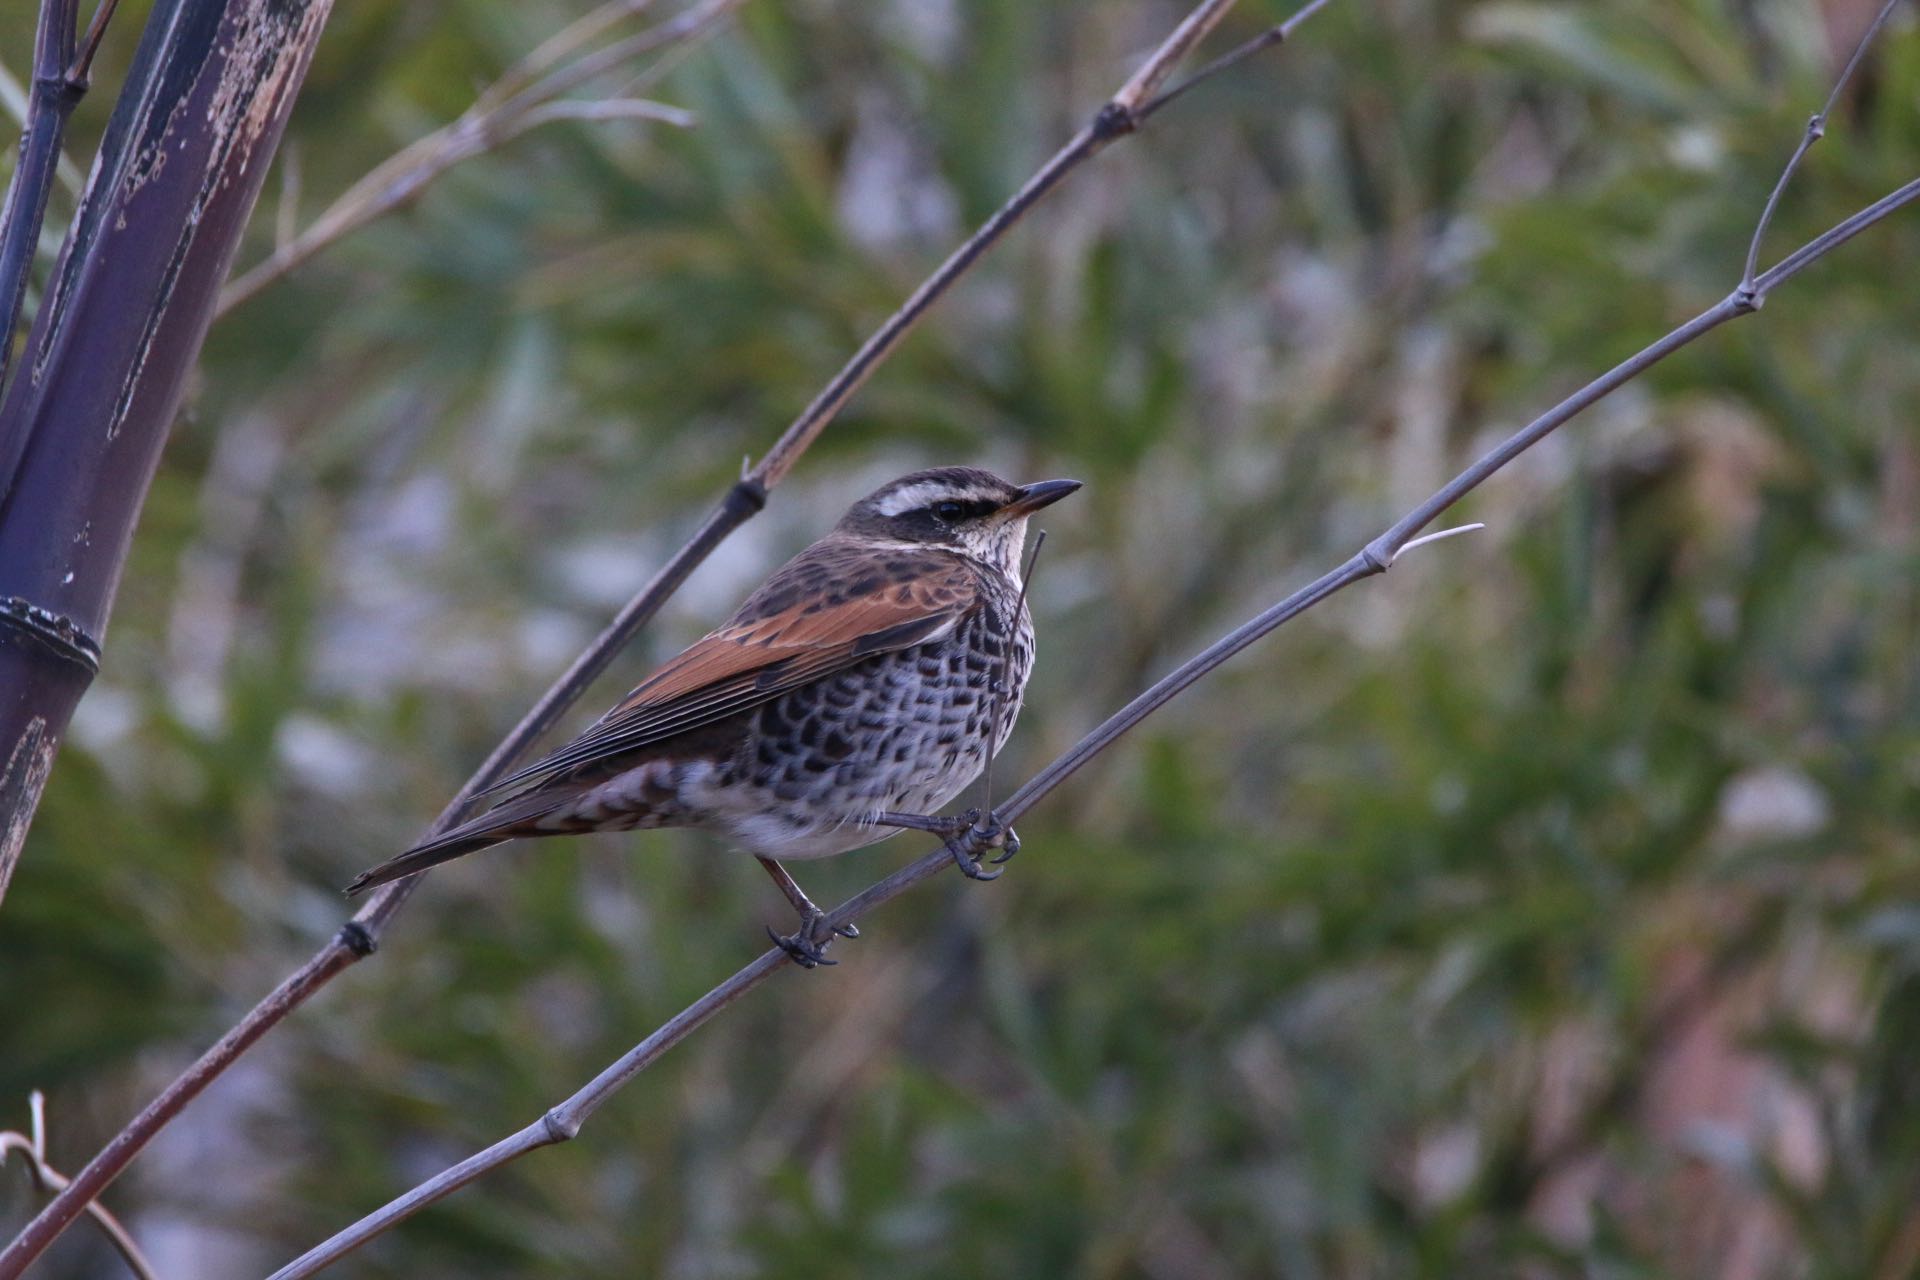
(1153, 73)
(286, 213)
(1816, 129)
(360, 936)
(558, 47)
(699, 20)
(1279, 33)
(603, 109)
(80, 69)
(564, 1121)
(526, 96)
(46, 1178)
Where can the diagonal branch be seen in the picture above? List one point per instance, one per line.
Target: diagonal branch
(565, 1120)
(360, 936)
(526, 96)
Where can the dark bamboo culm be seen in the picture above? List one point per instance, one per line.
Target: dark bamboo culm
(94, 389)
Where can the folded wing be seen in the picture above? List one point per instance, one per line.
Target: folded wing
(826, 610)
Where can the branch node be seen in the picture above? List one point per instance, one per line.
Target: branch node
(64, 635)
(748, 497)
(558, 1128)
(1115, 120)
(61, 88)
(1376, 562)
(359, 939)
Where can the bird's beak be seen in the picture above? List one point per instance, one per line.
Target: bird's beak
(1035, 496)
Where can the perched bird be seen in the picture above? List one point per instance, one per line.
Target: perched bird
(861, 688)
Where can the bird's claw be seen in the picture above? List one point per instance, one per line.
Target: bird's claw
(1009, 845)
(806, 946)
(971, 835)
(802, 951)
(990, 833)
(968, 861)
(966, 836)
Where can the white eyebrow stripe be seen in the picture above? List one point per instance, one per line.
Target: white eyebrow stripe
(911, 498)
(915, 496)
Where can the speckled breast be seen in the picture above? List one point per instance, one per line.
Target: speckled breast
(904, 731)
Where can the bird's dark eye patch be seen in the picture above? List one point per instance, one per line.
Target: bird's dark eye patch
(953, 510)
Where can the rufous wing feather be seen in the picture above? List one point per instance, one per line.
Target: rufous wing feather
(789, 633)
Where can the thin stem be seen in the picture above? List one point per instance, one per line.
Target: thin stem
(603, 109)
(33, 1151)
(1153, 73)
(739, 505)
(1832, 238)
(361, 935)
(50, 101)
(1383, 548)
(825, 406)
(525, 97)
(556, 48)
(80, 69)
(536, 1135)
(560, 1124)
(1279, 33)
(1816, 129)
(695, 21)
(569, 1116)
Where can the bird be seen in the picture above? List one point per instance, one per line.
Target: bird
(857, 691)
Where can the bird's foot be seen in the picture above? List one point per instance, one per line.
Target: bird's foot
(807, 945)
(969, 835)
(965, 835)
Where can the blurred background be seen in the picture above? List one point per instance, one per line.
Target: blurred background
(1545, 908)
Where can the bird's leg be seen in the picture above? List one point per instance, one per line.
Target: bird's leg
(966, 836)
(807, 944)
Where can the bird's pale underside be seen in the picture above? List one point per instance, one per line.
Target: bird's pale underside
(871, 676)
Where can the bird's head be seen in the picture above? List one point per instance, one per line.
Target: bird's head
(960, 509)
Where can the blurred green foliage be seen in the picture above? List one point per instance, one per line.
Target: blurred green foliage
(1546, 908)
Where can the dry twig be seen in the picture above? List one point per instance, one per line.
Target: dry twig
(527, 95)
(48, 1179)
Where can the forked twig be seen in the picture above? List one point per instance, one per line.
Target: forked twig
(33, 1149)
(80, 70)
(1816, 130)
(527, 95)
(360, 936)
(564, 1121)
(1278, 33)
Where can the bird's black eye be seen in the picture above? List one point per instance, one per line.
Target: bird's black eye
(949, 512)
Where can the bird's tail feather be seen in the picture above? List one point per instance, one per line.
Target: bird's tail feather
(517, 817)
